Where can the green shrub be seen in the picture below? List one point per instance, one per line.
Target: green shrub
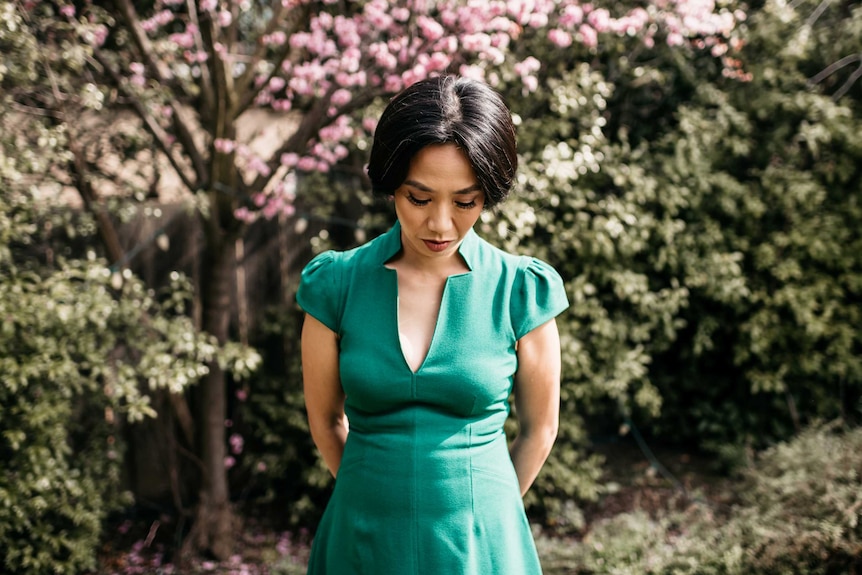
(78, 347)
(798, 513)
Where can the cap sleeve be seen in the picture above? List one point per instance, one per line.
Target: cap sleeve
(319, 293)
(538, 296)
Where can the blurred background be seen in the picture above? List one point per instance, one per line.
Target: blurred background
(692, 168)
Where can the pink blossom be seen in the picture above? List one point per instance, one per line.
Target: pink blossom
(306, 164)
(572, 15)
(430, 28)
(341, 97)
(386, 60)
(275, 39)
(378, 17)
(500, 40)
(242, 394)
(472, 71)
(588, 36)
(298, 40)
(400, 14)
(236, 443)
(413, 75)
(263, 98)
(257, 165)
(350, 59)
(437, 62)
(493, 55)
(224, 18)
(323, 21)
(476, 42)
(208, 5)
(261, 466)
(289, 160)
(164, 17)
(370, 124)
(538, 20)
(276, 84)
(243, 214)
(719, 50)
(393, 84)
(136, 68)
(258, 199)
(600, 20)
(447, 45)
(528, 66)
(282, 105)
(68, 11)
(347, 31)
(270, 210)
(560, 38)
(183, 39)
(224, 146)
(98, 35)
(196, 56)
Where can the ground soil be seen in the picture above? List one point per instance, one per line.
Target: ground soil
(671, 477)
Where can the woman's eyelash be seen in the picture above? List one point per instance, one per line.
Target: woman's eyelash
(416, 201)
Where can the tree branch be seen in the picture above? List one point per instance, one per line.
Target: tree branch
(214, 59)
(246, 83)
(78, 170)
(857, 73)
(161, 71)
(834, 67)
(312, 122)
(161, 137)
(818, 12)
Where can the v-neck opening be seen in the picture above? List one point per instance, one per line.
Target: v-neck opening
(434, 332)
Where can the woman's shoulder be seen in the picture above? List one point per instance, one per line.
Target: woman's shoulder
(331, 260)
(497, 259)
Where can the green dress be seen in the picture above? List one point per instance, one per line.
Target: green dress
(426, 485)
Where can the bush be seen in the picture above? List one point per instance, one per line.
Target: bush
(78, 345)
(798, 512)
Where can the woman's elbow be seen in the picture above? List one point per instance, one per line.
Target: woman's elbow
(542, 434)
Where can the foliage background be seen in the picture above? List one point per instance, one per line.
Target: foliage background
(705, 218)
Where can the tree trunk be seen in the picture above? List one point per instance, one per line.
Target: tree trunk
(213, 524)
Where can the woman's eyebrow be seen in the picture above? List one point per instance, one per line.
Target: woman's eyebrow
(422, 187)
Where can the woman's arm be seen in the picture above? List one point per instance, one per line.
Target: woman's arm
(324, 397)
(537, 401)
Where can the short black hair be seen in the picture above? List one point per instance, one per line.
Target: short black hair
(442, 110)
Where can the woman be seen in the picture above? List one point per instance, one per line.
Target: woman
(418, 338)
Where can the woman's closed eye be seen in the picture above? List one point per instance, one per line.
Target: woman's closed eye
(466, 205)
(424, 202)
(416, 201)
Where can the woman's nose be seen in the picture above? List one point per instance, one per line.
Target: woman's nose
(440, 219)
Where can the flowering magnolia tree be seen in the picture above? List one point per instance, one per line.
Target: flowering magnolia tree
(192, 69)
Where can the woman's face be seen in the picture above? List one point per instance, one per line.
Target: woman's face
(438, 203)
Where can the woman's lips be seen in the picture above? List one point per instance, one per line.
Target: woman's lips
(436, 246)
